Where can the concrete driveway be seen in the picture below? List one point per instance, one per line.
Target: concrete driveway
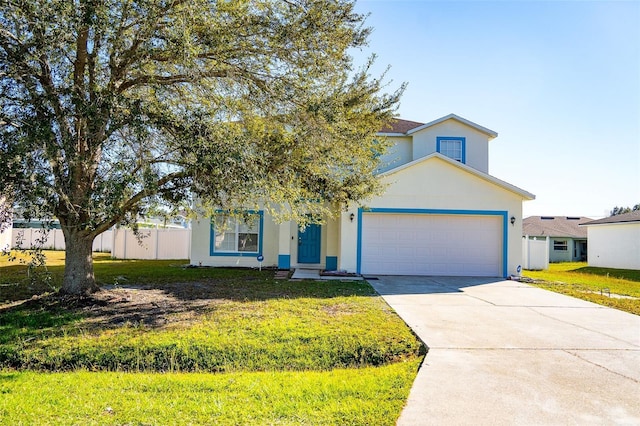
(503, 352)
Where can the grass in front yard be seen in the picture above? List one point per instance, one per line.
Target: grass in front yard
(367, 396)
(593, 284)
(167, 344)
(276, 334)
(247, 323)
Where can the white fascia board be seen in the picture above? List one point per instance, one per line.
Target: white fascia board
(629, 222)
(505, 185)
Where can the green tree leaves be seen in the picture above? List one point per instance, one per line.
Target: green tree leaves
(109, 107)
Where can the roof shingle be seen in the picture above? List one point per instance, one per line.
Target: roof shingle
(399, 125)
(555, 226)
(633, 216)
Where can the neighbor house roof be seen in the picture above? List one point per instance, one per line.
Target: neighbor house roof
(399, 125)
(633, 216)
(555, 226)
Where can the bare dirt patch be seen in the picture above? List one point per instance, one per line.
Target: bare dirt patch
(163, 304)
(115, 306)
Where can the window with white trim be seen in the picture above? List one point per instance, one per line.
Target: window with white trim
(452, 147)
(560, 245)
(235, 235)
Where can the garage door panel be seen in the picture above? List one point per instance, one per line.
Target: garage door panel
(430, 244)
(406, 252)
(389, 235)
(406, 236)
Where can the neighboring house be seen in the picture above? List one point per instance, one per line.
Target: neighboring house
(567, 240)
(614, 242)
(441, 214)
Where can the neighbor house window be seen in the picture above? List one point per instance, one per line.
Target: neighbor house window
(452, 147)
(560, 245)
(236, 236)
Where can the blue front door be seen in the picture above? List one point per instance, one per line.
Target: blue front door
(309, 244)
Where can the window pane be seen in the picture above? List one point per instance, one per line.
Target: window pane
(223, 223)
(224, 234)
(227, 242)
(248, 242)
(234, 235)
(560, 245)
(451, 149)
(248, 235)
(250, 226)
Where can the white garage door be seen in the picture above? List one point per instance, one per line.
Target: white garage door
(430, 244)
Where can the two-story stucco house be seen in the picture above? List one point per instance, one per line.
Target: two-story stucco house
(441, 214)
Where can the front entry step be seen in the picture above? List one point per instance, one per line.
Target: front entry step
(315, 274)
(306, 274)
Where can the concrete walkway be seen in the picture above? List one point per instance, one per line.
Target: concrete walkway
(503, 352)
(314, 274)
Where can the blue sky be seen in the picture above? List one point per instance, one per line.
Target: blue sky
(558, 80)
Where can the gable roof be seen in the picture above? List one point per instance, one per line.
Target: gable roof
(490, 133)
(400, 127)
(555, 226)
(504, 185)
(633, 216)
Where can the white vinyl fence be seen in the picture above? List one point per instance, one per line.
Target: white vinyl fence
(122, 243)
(53, 239)
(5, 239)
(535, 253)
(155, 244)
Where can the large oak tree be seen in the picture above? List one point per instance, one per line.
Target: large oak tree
(109, 107)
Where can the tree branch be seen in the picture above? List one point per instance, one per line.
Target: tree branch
(134, 200)
(162, 80)
(81, 59)
(128, 56)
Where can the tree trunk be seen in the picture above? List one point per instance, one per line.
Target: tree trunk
(78, 263)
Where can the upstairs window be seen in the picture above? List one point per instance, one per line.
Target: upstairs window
(232, 236)
(452, 147)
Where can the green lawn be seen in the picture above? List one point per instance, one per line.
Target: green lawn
(200, 346)
(366, 396)
(593, 284)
